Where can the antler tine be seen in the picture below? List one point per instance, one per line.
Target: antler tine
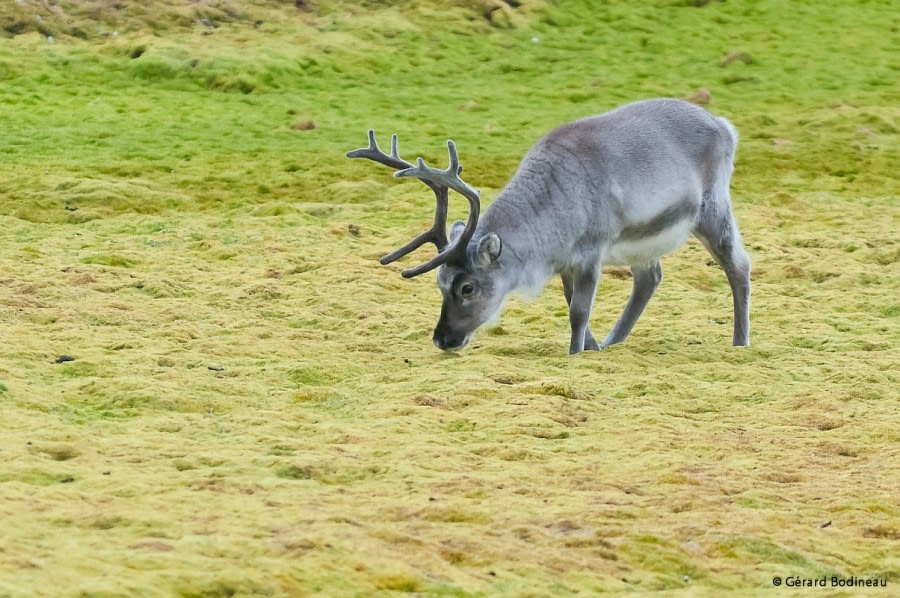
(374, 153)
(394, 152)
(437, 234)
(448, 179)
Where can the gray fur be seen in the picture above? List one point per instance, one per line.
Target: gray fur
(625, 187)
(665, 219)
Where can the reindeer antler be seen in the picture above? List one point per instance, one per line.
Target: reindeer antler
(439, 181)
(447, 179)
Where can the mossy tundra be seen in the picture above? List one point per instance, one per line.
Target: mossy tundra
(255, 406)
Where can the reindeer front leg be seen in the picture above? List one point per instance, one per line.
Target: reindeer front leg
(583, 289)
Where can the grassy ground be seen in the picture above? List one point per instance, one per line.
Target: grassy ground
(255, 406)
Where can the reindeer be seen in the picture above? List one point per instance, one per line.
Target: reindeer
(622, 188)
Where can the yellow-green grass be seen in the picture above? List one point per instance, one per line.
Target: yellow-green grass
(255, 405)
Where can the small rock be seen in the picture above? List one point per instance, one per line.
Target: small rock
(733, 57)
(307, 125)
(535, 40)
(686, 579)
(492, 573)
(155, 545)
(692, 547)
(64, 358)
(205, 23)
(216, 368)
(701, 97)
(51, 39)
(106, 473)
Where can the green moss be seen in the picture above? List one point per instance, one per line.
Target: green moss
(109, 260)
(34, 477)
(215, 271)
(294, 472)
(762, 550)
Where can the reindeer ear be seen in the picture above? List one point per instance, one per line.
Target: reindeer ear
(488, 251)
(456, 230)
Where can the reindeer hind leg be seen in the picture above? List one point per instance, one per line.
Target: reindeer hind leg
(718, 232)
(644, 284)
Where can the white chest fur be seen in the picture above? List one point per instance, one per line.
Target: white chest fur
(644, 250)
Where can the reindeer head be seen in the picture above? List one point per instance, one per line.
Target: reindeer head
(472, 295)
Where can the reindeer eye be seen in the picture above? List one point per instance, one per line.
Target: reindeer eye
(466, 289)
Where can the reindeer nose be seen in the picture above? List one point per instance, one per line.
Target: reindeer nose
(449, 341)
(439, 342)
